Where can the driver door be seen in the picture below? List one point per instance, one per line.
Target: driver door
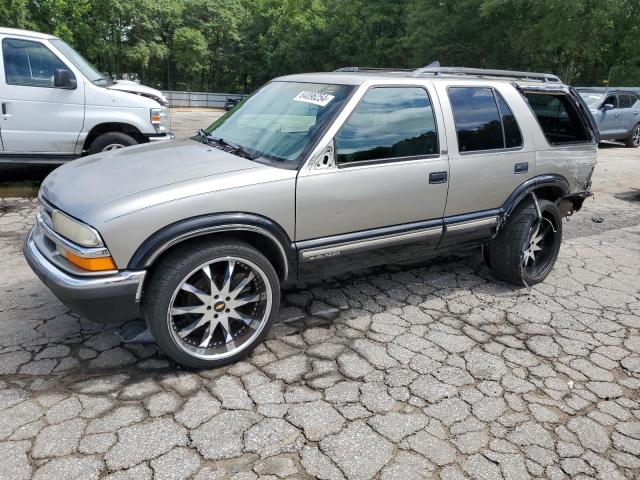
(609, 119)
(382, 197)
(37, 117)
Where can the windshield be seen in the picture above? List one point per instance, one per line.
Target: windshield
(280, 121)
(592, 99)
(79, 62)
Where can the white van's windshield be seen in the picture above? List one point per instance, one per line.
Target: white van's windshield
(80, 63)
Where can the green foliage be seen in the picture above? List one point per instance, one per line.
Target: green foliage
(240, 44)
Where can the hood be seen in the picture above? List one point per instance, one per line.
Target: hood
(137, 89)
(81, 186)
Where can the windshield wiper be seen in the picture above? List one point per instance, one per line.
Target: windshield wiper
(231, 147)
(204, 137)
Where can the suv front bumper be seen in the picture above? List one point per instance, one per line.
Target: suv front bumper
(110, 298)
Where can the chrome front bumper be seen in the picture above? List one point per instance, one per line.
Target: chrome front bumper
(161, 138)
(110, 298)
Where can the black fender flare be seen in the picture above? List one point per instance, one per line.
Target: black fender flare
(525, 188)
(175, 233)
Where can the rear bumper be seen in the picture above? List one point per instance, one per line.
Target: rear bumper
(110, 298)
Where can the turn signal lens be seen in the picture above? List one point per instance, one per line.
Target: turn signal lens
(92, 264)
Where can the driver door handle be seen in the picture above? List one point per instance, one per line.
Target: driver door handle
(438, 177)
(4, 108)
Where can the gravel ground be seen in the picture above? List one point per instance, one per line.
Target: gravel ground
(425, 371)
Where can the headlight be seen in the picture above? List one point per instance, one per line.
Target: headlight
(75, 231)
(159, 119)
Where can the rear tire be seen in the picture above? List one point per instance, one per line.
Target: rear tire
(111, 141)
(209, 304)
(525, 249)
(633, 141)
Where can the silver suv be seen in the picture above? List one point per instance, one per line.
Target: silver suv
(313, 175)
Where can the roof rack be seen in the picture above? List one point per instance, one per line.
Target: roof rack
(372, 69)
(435, 69)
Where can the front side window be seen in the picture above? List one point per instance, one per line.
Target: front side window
(29, 63)
(389, 123)
(611, 100)
(558, 117)
(477, 119)
(79, 62)
(278, 122)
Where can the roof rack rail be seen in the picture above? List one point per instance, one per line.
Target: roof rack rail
(435, 69)
(372, 69)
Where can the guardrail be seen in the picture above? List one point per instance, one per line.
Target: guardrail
(200, 99)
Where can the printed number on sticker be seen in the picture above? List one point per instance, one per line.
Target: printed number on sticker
(316, 98)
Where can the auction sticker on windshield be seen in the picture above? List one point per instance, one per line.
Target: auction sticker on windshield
(316, 98)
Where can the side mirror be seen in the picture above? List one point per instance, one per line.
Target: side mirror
(63, 78)
(608, 106)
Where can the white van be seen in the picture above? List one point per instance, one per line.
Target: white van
(57, 107)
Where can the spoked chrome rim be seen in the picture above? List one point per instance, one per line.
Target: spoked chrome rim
(636, 136)
(538, 249)
(113, 146)
(219, 308)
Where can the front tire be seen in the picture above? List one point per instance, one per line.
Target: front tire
(525, 250)
(633, 141)
(211, 303)
(111, 141)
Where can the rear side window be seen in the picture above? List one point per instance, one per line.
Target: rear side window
(624, 101)
(558, 117)
(29, 63)
(389, 123)
(483, 120)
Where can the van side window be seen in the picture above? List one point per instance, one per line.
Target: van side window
(477, 118)
(558, 117)
(512, 135)
(389, 123)
(29, 63)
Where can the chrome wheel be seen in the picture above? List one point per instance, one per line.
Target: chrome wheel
(113, 146)
(538, 249)
(636, 136)
(219, 308)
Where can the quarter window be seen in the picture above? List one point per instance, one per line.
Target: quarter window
(477, 119)
(29, 63)
(512, 135)
(389, 123)
(558, 117)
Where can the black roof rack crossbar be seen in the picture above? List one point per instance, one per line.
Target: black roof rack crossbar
(372, 69)
(481, 72)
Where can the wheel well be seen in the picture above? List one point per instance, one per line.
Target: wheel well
(551, 193)
(260, 242)
(113, 127)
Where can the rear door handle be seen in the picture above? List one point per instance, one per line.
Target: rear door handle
(4, 108)
(521, 168)
(438, 177)
(635, 113)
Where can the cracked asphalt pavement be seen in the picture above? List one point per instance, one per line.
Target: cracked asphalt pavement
(432, 370)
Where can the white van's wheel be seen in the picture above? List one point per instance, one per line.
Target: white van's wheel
(111, 141)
